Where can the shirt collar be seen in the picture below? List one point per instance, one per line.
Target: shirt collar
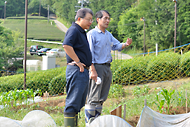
(78, 27)
(98, 30)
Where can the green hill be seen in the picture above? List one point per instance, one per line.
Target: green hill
(38, 28)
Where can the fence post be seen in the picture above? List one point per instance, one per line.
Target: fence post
(145, 103)
(156, 49)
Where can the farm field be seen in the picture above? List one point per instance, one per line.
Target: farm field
(38, 28)
(134, 103)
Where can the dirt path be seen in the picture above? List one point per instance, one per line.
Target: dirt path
(120, 55)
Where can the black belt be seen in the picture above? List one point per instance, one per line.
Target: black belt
(107, 64)
(73, 64)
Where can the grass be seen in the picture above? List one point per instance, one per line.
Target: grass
(38, 28)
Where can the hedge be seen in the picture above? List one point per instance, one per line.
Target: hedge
(131, 70)
(34, 80)
(185, 64)
(165, 66)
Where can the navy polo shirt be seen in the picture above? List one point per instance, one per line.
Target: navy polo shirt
(76, 38)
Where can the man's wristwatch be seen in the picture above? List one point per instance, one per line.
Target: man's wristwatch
(78, 62)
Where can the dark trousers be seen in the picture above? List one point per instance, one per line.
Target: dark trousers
(76, 88)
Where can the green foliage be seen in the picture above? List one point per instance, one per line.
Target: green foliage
(159, 23)
(163, 67)
(116, 91)
(41, 79)
(10, 48)
(34, 80)
(132, 70)
(159, 103)
(167, 94)
(57, 84)
(185, 64)
(14, 97)
(138, 91)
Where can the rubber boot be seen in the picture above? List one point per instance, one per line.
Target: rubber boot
(69, 119)
(89, 114)
(98, 110)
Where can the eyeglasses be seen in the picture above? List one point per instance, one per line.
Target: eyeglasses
(90, 20)
(106, 18)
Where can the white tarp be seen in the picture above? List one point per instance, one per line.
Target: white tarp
(109, 121)
(36, 118)
(151, 118)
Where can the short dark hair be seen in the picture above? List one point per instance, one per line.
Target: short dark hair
(82, 13)
(99, 14)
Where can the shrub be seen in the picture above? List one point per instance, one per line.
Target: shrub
(185, 64)
(163, 67)
(34, 80)
(42, 79)
(132, 70)
(57, 84)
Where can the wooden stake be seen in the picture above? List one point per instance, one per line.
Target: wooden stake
(186, 101)
(124, 113)
(117, 111)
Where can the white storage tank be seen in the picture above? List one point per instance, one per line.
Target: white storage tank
(48, 62)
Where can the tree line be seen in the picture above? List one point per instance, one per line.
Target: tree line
(125, 18)
(125, 22)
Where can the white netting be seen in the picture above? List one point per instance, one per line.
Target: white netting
(109, 121)
(36, 118)
(151, 118)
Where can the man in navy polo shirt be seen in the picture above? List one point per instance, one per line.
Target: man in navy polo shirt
(79, 59)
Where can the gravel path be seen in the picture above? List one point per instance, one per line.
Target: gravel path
(60, 26)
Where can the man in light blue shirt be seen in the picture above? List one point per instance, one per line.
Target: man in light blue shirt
(101, 43)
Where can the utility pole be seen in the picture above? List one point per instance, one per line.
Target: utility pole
(143, 19)
(48, 13)
(5, 10)
(39, 7)
(25, 42)
(175, 24)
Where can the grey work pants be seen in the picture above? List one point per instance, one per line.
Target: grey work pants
(97, 94)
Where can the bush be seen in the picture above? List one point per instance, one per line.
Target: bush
(34, 80)
(163, 67)
(8, 83)
(185, 64)
(57, 84)
(132, 71)
(42, 79)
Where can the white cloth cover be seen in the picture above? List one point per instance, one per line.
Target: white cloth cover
(151, 118)
(109, 121)
(36, 118)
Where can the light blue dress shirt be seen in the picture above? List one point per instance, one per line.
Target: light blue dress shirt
(101, 45)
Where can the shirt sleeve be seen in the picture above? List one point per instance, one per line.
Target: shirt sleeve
(70, 37)
(91, 44)
(116, 44)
